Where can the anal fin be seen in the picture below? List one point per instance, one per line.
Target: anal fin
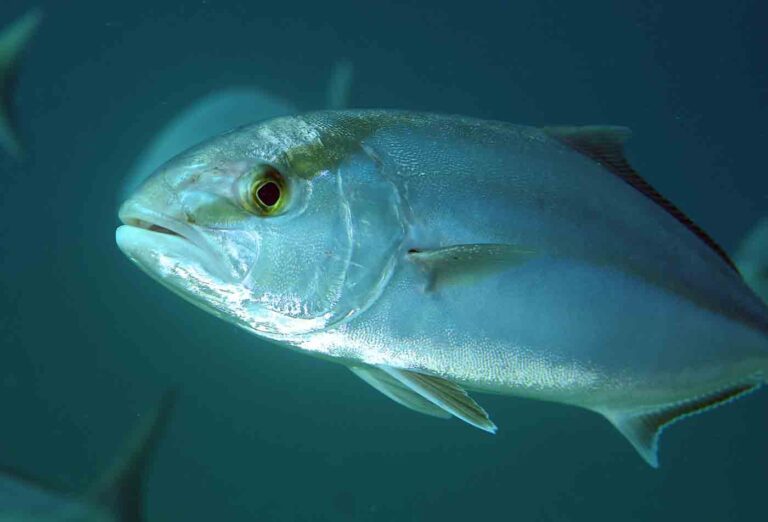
(643, 427)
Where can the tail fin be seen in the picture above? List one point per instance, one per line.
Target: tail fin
(13, 41)
(752, 259)
(120, 489)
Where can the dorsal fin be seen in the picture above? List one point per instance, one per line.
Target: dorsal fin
(605, 144)
(643, 428)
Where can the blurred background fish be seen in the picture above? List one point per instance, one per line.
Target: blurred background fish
(13, 42)
(116, 496)
(752, 258)
(221, 111)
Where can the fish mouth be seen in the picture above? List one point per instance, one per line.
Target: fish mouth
(148, 237)
(134, 216)
(152, 227)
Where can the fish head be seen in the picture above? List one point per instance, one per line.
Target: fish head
(284, 227)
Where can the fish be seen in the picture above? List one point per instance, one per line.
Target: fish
(114, 497)
(14, 40)
(751, 257)
(224, 109)
(440, 255)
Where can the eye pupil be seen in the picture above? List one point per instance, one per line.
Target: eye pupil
(263, 191)
(269, 193)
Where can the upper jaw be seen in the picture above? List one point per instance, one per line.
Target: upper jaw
(134, 214)
(147, 233)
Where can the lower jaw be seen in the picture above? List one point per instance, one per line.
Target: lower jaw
(163, 255)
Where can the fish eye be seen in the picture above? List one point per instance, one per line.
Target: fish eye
(266, 192)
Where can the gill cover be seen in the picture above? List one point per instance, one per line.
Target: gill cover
(331, 253)
(370, 199)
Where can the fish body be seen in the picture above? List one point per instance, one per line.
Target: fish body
(438, 254)
(114, 497)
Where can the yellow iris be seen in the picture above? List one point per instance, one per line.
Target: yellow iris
(267, 191)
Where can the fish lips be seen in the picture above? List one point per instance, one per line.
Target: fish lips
(159, 244)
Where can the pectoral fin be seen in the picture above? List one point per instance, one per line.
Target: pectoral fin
(643, 427)
(446, 395)
(465, 264)
(397, 391)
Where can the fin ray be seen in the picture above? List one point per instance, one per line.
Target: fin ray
(398, 392)
(466, 263)
(447, 395)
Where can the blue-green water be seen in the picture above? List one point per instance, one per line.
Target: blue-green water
(260, 433)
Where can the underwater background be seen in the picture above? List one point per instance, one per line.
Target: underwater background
(262, 433)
